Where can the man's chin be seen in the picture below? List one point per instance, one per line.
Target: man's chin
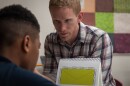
(63, 40)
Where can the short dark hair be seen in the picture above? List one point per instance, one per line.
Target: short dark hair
(13, 19)
(17, 12)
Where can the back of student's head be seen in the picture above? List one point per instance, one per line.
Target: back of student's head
(14, 20)
(73, 4)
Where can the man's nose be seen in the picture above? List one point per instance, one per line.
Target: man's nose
(63, 27)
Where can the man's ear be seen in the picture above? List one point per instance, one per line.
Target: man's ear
(26, 43)
(80, 16)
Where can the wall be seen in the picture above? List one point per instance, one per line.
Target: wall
(121, 68)
(121, 62)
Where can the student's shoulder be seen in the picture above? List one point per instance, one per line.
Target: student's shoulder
(28, 78)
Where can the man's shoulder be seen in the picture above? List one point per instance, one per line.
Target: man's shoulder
(52, 37)
(92, 30)
(96, 31)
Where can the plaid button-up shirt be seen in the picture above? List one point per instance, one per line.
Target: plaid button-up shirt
(91, 43)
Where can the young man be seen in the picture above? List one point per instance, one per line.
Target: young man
(74, 39)
(19, 48)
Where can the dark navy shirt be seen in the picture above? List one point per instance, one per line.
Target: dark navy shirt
(12, 75)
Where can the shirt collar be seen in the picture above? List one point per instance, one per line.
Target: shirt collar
(81, 34)
(3, 59)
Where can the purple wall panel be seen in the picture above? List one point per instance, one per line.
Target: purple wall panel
(121, 43)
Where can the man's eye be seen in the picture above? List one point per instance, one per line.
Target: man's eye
(68, 21)
(56, 21)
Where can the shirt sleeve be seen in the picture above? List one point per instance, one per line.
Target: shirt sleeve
(50, 67)
(104, 50)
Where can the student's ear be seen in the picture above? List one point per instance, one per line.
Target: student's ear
(80, 16)
(26, 43)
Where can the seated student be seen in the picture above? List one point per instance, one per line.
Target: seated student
(19, 48)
